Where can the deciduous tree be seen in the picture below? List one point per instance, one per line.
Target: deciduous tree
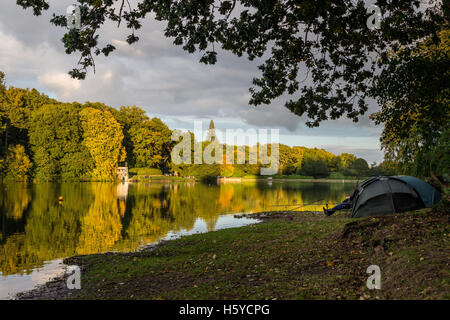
(151, 143)
(103, 136)
(56, 142)
(415, 98)
(18, 164)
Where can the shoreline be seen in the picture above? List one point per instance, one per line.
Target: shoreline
(58, 281)
(300, 180)
(148, 179)
(240, 179)
(243, 180)
(287, 256)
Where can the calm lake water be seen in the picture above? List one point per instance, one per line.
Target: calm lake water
(37, 230)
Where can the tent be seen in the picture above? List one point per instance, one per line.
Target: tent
(394, 194)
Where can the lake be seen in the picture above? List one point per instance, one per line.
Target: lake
(37, 230)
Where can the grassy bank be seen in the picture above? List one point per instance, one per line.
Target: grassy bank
(153, 174)
(291, 179)
(294, 177)
(162, 178)
(289, 256)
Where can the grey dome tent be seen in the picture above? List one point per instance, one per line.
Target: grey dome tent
(392, 194)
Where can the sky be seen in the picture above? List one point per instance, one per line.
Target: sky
(165, 81)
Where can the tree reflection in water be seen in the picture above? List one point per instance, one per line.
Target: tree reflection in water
(99, 217)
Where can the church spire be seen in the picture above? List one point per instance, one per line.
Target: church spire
(211, 132)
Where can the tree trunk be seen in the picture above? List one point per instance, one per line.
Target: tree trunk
(6, 140)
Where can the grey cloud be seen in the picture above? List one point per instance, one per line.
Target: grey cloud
(153, 74)
(271, 116)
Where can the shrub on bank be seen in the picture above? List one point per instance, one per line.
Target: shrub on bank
(292, 176)
(337, 175)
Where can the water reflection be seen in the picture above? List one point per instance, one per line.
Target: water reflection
(98, 217)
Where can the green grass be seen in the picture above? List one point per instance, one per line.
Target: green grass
(336, 175)
(235, 256)
(292, 176)
(160, 178)
(307, 257)
(411, 254)
(142, 174)
(333, 176)
(152, 174)
(145, 171)
(251, 176)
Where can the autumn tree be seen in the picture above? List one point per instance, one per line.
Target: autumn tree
(56, 142)
(226, 168)
(63, 146)
(152, 144)
(131, 118)
(102, 136)
(415, 98)
(345, 160)
(18, 164)
(290, 159)
(358, 168)
(298, 155)
(16, 106)
(14, 109)
(315, 167)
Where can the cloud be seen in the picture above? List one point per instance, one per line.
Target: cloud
(125, 49)
(155, 75)
(61, 83)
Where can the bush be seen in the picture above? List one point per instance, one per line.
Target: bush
(239, 171)
(374, 171)
(315, 168)
(337, 175)
(199, 171)
(18, 164)
(360, 166)
(350, 172)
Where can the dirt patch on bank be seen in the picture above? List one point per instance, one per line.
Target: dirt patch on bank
(411, 249)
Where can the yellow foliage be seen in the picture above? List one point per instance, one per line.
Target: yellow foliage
(102, 225)
(18, 163)
(103, 137)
